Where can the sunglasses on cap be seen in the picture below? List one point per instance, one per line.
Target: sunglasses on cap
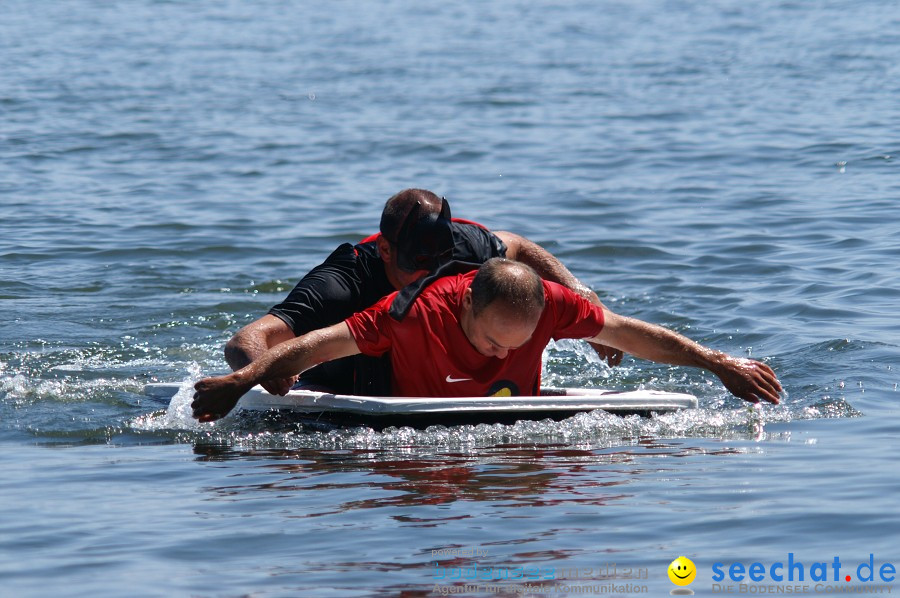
(425, 243)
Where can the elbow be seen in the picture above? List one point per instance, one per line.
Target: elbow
(234, 352)
(512, 241)
(243, 348)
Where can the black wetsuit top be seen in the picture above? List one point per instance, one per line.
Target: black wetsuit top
(349, 281)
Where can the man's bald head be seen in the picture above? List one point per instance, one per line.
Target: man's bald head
(513, 285)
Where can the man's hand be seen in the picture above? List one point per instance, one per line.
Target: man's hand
(279, 386)
(216, 397)
(748, 379)
(612, 355)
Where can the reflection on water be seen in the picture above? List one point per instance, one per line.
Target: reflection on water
(513, 475)
(562, 507)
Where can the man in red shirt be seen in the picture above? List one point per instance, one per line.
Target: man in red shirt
(479, 334)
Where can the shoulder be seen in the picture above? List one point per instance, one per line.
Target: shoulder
(473, 242)
(558, 293)
(359, 264)
(362, 259)
(560, 298)
(573, 315)
(344, 254)
(349, 280)
(469, 228)
(444, 293)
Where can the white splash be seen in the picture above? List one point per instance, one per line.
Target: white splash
(177, 415)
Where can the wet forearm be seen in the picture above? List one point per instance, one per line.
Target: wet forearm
(655, 343)
(298, 355)
(281, 361)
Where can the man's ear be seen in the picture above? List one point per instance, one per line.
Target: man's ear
(384, 248)
(467, 299)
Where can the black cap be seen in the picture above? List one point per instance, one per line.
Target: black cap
(424, 243)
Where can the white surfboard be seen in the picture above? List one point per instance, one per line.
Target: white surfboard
(380, 412)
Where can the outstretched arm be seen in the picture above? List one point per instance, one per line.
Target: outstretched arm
(750, 380)
(215, 397)
(550, 268)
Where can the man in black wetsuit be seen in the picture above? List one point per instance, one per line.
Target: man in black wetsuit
(417, 235)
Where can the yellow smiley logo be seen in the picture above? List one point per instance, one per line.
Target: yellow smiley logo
(682, 571)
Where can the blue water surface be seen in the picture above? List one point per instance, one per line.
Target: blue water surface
(169, 169)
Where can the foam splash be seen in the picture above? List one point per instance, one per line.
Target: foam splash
(592, 430)
(178, 415)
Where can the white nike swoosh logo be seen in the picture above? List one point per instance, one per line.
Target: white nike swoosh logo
(449, 379)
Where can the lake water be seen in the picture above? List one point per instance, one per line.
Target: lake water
(169, 169)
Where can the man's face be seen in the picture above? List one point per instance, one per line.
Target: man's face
(398, 277)
(494, 333)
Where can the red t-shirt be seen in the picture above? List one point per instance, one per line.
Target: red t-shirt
(432, 357)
